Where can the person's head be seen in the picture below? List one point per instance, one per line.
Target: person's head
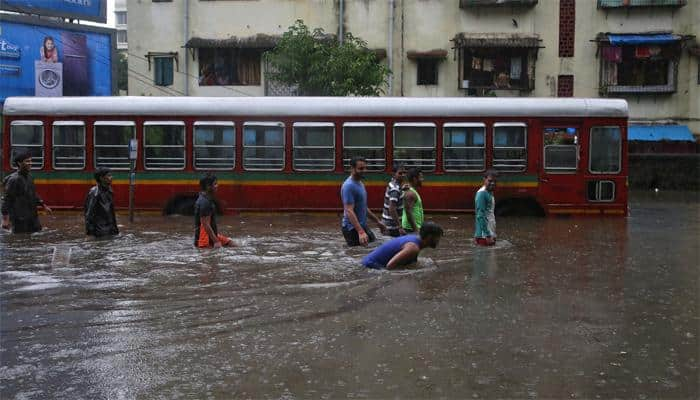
(103, 176)
(358, 167)
(208, 183)
(399, 170)
(490, 178)
(23, 161)
(430, 234)
(414, 176)
(48, 43)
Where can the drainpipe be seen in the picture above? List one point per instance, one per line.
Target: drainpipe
(390, 50)
(341, 18)
(403, 19)
(187, 38)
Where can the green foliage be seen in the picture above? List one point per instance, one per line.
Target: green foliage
(317, 65)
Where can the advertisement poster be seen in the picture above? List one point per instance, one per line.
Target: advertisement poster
(37, 60)
(89, 10)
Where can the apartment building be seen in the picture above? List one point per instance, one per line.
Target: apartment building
(642, 50)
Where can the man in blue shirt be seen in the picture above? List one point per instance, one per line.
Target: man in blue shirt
(403, 250)
(355, 210)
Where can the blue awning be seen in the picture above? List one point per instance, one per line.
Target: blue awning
(620, 40)
(653, 133)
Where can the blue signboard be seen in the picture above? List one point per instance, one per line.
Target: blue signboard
(92, 10)
(38, 60)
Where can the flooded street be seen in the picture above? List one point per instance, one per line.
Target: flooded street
(560, 308)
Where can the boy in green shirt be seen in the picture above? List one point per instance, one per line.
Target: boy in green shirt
(412, 218)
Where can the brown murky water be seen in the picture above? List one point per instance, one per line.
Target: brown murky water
(561, 308)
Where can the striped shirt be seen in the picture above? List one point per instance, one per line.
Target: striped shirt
(394, 194)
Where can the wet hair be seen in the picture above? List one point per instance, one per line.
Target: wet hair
(355, 160)
(100, 172)
(413, 173)
(491, 172)
(21, 156)
(430, 229)
(207, 180)
(397, 166)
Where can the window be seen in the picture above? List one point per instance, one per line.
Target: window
(223, 67)
(112, 143)
(121, 17)
(69, 145)
(644, 68)
(28, 136)
(214, 145)
(601, 191)
(364, 139)
(509, 146)
(496, 68)
(263, 146)
(560, 149)
(121, 36)
(605, 149)
(464, 146)
(414, 144)
(640, 3)
(164, 144)
(427, 71)
(163, 71)
(314, 146)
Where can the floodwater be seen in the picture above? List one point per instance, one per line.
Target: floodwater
(560, 308)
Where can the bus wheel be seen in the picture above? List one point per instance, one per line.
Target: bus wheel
(519, 207)
(180, 205)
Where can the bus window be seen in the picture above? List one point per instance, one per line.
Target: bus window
(560, 149)
(69, 145)
(314, 146)
(263, 146)
(214, 145)
(510, 146)
(112, 143)
(364, 139)
(28, 136)
(464, 146)
(605, 150)
(414, 144)
(164, 144)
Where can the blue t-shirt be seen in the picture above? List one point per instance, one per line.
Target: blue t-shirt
(353, 192)
(381, 256)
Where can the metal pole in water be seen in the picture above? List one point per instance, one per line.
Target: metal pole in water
(133, 151)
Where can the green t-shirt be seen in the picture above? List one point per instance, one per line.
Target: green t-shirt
(417, 213)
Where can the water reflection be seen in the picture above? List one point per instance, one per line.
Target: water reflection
(560, 307)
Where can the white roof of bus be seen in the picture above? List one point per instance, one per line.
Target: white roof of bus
(317, 106)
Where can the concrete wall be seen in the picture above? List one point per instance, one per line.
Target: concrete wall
(419, 25)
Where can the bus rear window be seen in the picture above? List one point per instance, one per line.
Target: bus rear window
(605, 150)
(28, 136)
(364, 139)
(112, 143)
(560, 149)
(509, 147)
(69, 145)
(414, 145)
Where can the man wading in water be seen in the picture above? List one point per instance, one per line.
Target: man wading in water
(403, 250)
(206, 233)
(484, 205)
(20, 199)
(354, 196)
(99, 206)
(413, 204)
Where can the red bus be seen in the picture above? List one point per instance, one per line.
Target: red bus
(554, 155)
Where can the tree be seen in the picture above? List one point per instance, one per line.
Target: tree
(317, 65)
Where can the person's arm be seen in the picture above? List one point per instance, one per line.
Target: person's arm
(409, 201)
(8, 203)
(395, 215)
(89, 211)
(352, 217)
(205, 222)
(408, 254)
(376, 219)
(481, 209)
(40, 202)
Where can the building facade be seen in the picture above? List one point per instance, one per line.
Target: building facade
(642, 50)
(121, 23)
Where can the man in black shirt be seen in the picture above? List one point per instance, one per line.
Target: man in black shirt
(20, 199)
(206, 233)
(99, 206)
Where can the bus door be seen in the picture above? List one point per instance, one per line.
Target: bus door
(560, 169)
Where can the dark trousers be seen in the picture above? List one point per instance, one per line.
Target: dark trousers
(353, 238)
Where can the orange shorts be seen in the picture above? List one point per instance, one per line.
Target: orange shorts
(205, 242)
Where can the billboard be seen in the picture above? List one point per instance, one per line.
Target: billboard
(54, 59)
(90, 10)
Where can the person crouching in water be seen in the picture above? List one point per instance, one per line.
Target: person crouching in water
(100, 220)
(484, 206)
(403, 250)
(206, 233)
